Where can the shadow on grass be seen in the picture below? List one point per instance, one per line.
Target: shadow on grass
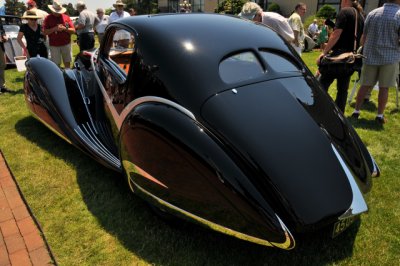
(368, 106)
(129, 219)
(366, 124)
(15, 92)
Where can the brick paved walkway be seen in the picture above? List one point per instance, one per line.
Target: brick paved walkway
(20, 239)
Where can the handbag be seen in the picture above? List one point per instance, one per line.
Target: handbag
(342, 64)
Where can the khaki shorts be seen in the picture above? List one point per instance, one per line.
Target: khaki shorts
(61, 51)
(386, 75)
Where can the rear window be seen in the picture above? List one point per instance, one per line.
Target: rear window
(240, 67)
(278, 62)
(245, 66)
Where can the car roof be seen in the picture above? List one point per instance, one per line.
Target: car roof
(188, 48)
(10, 19)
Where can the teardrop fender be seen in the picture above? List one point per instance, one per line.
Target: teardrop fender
(175, 163)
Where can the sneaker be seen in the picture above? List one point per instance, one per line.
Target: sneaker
(355, 115)
(380, 120)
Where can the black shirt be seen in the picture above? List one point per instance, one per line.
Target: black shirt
(34, 40)
(345, 20)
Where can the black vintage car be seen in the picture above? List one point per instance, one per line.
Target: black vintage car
(214, 119)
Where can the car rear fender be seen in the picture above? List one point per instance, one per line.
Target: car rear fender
(174, 162)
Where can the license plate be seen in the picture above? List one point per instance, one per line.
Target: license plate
(342, 225)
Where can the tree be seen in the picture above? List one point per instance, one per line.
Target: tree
(71, 11)
(230, 7)
(14, 7)
(274, 7)
(43, 5)
(143, 6)
(326, 11)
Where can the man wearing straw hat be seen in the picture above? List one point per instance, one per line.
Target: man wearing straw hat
(119, 11)
(59, 28)
(122, 37)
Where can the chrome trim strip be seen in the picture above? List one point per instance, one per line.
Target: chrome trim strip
(376, 171)
(358, 204)
(156, 99)
(82, 93)
(288, 244)
(98, 144)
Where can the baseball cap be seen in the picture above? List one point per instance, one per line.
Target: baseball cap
(249, 10)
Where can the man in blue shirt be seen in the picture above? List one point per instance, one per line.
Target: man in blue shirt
(382, 51)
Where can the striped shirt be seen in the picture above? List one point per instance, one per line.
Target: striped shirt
(382, 32)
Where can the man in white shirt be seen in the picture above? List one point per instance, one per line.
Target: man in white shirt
(122, 37)
(103, 22)
(119, 11)
(253, 11)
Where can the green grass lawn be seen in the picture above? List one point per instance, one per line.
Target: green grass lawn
(89, 216)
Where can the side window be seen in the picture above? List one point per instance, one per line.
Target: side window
(122, 48)
(240, 67)
(115, 65)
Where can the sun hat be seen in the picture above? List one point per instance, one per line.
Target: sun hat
(31, 14)
(119, 3)
(56, 7)
(249, 10)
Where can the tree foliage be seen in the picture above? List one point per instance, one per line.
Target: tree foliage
(17, 8)
(43, 4)
(71, 11)
(230, 6)
(274, 7)
(326, 11)
(142, 6)
(14, 7)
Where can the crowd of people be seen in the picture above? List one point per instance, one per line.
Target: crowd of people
(51, 34)
(378, 33)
